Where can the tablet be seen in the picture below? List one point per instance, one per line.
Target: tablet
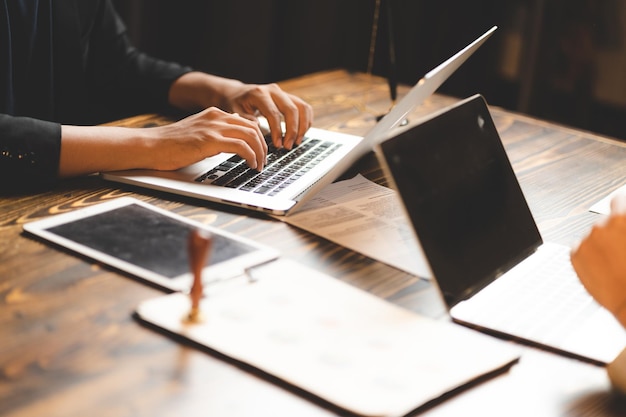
(148, 242)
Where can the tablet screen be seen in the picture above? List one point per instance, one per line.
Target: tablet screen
(145, 238)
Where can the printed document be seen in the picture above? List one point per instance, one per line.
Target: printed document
(367, 218)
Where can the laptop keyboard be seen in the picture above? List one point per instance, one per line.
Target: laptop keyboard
(282, 169)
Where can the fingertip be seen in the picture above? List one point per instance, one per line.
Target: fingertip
(277, 140)
(618, 203)
(288, 143)
(252, 163)
(302, 134)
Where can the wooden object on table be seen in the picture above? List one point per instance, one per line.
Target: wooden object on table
(199, 247)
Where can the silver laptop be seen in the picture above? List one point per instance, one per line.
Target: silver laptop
(479, 238)
(298, 174)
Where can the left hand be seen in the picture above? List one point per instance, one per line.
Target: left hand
(197, 90)
(269, 100)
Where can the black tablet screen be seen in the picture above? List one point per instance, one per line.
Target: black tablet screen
(145, 238)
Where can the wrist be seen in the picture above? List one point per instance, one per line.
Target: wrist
(197, 91)
(89, 149)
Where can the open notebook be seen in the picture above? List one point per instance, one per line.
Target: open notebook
(290, 177)
(481, 242)
(343, 345)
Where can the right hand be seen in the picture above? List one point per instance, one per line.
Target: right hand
(204, 134)
(600, 261)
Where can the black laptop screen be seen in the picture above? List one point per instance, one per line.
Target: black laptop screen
(462, 197)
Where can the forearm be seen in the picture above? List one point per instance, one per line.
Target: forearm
(90, 149)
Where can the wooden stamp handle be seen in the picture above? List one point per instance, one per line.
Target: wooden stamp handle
(199, 245)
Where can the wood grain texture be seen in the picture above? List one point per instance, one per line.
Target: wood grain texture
(69, 345)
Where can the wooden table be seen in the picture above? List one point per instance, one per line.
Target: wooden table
(69, 345)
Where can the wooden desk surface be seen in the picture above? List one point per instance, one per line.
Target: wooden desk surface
(69, 345)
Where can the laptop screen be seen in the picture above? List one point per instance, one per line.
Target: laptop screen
(462, 198)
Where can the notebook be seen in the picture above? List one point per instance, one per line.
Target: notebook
(328, 155)
(482, 245)
(339, 343)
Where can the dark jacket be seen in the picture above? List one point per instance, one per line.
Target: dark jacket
(83, 71)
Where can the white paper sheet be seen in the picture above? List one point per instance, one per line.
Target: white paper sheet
(367, 218)
(333, 340)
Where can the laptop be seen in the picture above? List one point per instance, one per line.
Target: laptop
(299, 174)
(481, 243)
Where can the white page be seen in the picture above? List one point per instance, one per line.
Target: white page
(366, 217)
(340, 343)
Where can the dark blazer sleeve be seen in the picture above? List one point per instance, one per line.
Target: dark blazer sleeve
(122, 77)
(29, 153)
(98, 76)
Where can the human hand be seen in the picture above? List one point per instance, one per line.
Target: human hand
(205, 134)
(198, 90)
(270, 101)
(600, 261)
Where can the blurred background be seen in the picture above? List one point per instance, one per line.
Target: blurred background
(561, 60)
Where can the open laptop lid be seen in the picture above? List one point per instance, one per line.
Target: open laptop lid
(424, 88)
(353, 147)
(462, 197)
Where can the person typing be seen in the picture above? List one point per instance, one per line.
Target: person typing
(66, 66)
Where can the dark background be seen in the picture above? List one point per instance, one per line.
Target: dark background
(542, 61)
